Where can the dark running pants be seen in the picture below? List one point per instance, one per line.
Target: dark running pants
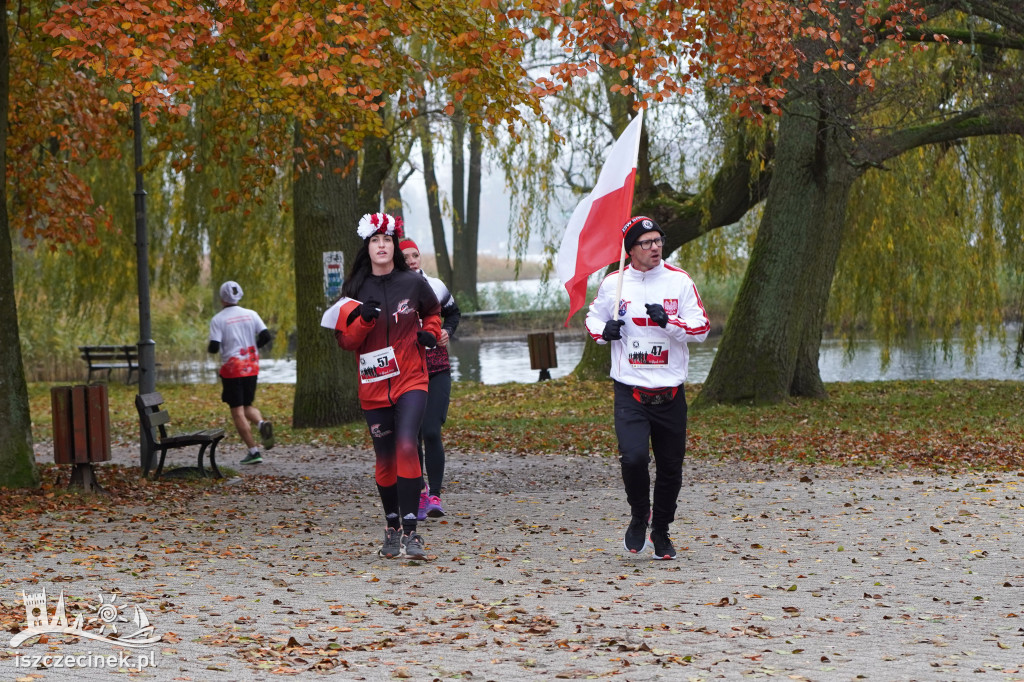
(431, 448)
(640, 429)
(394, 431)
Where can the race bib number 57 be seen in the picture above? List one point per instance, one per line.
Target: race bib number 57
(378, 365)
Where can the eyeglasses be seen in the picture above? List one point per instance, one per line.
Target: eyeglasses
(646, 244)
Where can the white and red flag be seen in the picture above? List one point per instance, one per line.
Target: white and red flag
(593, 238)
(336, 317)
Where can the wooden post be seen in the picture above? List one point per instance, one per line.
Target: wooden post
(542, 353)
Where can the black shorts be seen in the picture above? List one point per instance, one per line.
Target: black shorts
(238, 391)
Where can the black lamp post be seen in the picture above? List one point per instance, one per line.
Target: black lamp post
(147, 350)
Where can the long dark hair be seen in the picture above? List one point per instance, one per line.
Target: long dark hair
(361, 267)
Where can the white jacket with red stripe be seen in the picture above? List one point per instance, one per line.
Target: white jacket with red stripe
(648, 355)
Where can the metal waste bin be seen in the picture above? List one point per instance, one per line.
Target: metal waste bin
(81, 429)
(542, 353)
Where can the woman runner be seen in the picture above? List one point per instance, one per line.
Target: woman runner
(389, 317)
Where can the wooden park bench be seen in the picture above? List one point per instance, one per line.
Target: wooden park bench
(108, 358)
(154, 420)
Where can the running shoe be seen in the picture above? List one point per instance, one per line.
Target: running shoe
(392, 547)
(267, 434)
(412, 545)
(663, 547)
(252, 458)
(635, 539)
(421, 513)
(434, 508)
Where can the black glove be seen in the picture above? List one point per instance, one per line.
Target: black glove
(612, 330)
(657, 313)
(426, 339)
(369, 310)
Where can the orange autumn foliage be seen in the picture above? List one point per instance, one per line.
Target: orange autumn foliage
(752, 48)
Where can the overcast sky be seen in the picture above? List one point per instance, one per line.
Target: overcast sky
(494, 210)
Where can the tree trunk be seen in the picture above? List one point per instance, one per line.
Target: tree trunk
(376, 157)
(17, 462)
(769, 350)
(391, 192)
(444, 264)
(466, 232)
(326, 214)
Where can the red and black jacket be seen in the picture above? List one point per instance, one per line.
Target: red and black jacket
(407, 305)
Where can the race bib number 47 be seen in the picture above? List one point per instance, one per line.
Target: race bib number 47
(378, 365)
(648, 353)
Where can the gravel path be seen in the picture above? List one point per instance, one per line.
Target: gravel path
(790, 573)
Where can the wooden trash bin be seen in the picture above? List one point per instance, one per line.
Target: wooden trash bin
(542, 353)
(81, 431)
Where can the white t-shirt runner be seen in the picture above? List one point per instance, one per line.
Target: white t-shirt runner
(236, 329)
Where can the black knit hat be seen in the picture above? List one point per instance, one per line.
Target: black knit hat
(637, 226)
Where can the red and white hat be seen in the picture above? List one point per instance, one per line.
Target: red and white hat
(380, 223)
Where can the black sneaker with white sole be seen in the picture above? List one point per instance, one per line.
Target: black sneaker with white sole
(636, 535)
(663, 547)
(252, 458)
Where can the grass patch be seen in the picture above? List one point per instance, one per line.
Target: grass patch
(942, 425)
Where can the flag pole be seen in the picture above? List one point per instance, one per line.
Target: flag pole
(618, 284)
(622, 249)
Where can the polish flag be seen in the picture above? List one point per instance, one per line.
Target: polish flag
(593, 238)
(336, 316)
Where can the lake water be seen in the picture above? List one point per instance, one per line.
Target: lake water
(502, 361)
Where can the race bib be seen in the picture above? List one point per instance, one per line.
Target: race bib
(648, 353)
(378, 365)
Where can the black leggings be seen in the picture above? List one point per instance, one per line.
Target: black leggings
(394, 431)
(640, 429)
(430, 446)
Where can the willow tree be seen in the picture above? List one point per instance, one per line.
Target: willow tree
(627, 55)
(946, 267)
(222, 218)
(835, 119)
(834, 129)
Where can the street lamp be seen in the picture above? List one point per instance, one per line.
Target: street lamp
(147, 350)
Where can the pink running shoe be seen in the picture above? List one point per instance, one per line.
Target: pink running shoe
(421, 513)
(434, 508)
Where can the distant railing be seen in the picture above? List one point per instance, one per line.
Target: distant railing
(512, 323)
(493, 314)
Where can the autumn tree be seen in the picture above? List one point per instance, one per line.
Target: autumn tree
(832, 131)
(629, 55)
(131, 63)
(17, 462)
(465, 131)
(345, 74)
(321, 75)
(59, 119)
(837, 50)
